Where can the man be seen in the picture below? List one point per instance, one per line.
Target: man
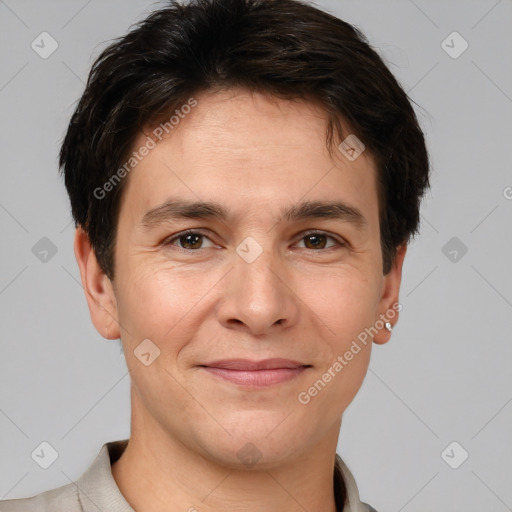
(245, 176)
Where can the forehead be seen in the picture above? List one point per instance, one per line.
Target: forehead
(250, 152)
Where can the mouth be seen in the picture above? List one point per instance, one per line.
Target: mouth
(256, 373)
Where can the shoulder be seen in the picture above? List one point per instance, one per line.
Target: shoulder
(61, 499)
(95, 490)
(369, 507)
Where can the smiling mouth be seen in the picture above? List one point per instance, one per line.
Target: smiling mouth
(256, 373)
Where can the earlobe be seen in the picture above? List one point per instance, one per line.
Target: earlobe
(389, 305)
(98, 288)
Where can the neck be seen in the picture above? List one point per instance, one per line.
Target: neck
(158, 473)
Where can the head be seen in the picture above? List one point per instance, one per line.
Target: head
(275, 134)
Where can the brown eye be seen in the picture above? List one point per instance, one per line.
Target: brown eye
(317, 240)
(191, 241)
(188, 241)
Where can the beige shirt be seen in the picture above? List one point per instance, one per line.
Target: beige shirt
(97, 491)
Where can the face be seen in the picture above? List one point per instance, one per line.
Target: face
(249, 305)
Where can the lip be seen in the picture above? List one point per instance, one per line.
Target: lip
(248, 365)
(256, 373)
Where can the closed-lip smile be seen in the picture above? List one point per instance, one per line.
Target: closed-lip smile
(250, 373)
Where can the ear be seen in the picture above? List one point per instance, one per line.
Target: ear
(98, 288)
(388, 305)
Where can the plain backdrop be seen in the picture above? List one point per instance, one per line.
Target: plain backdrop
(438, 392)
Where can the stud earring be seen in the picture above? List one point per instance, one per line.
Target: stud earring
(389, 327)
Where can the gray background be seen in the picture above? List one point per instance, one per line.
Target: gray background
(444, 376)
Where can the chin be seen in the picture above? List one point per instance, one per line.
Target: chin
(256, 443)
(255, 455)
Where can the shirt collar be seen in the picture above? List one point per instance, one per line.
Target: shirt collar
(352, 500)
(97, 489)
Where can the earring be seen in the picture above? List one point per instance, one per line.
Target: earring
(389, 327)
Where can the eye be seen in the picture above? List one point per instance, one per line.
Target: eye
(188, 240)
(317, 240)
(191, 240)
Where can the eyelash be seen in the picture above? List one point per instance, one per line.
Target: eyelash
(169, 241)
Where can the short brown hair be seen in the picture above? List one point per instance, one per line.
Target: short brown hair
(285, 48)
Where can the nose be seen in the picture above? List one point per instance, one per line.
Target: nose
(258, 296)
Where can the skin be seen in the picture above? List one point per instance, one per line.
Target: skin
(254, 156)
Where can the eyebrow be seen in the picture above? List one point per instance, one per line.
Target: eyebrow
(176, 209)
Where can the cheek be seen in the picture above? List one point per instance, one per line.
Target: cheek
(345, 302)
(333, 387)
(346, 377)
(148, 305)
(164, 304)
